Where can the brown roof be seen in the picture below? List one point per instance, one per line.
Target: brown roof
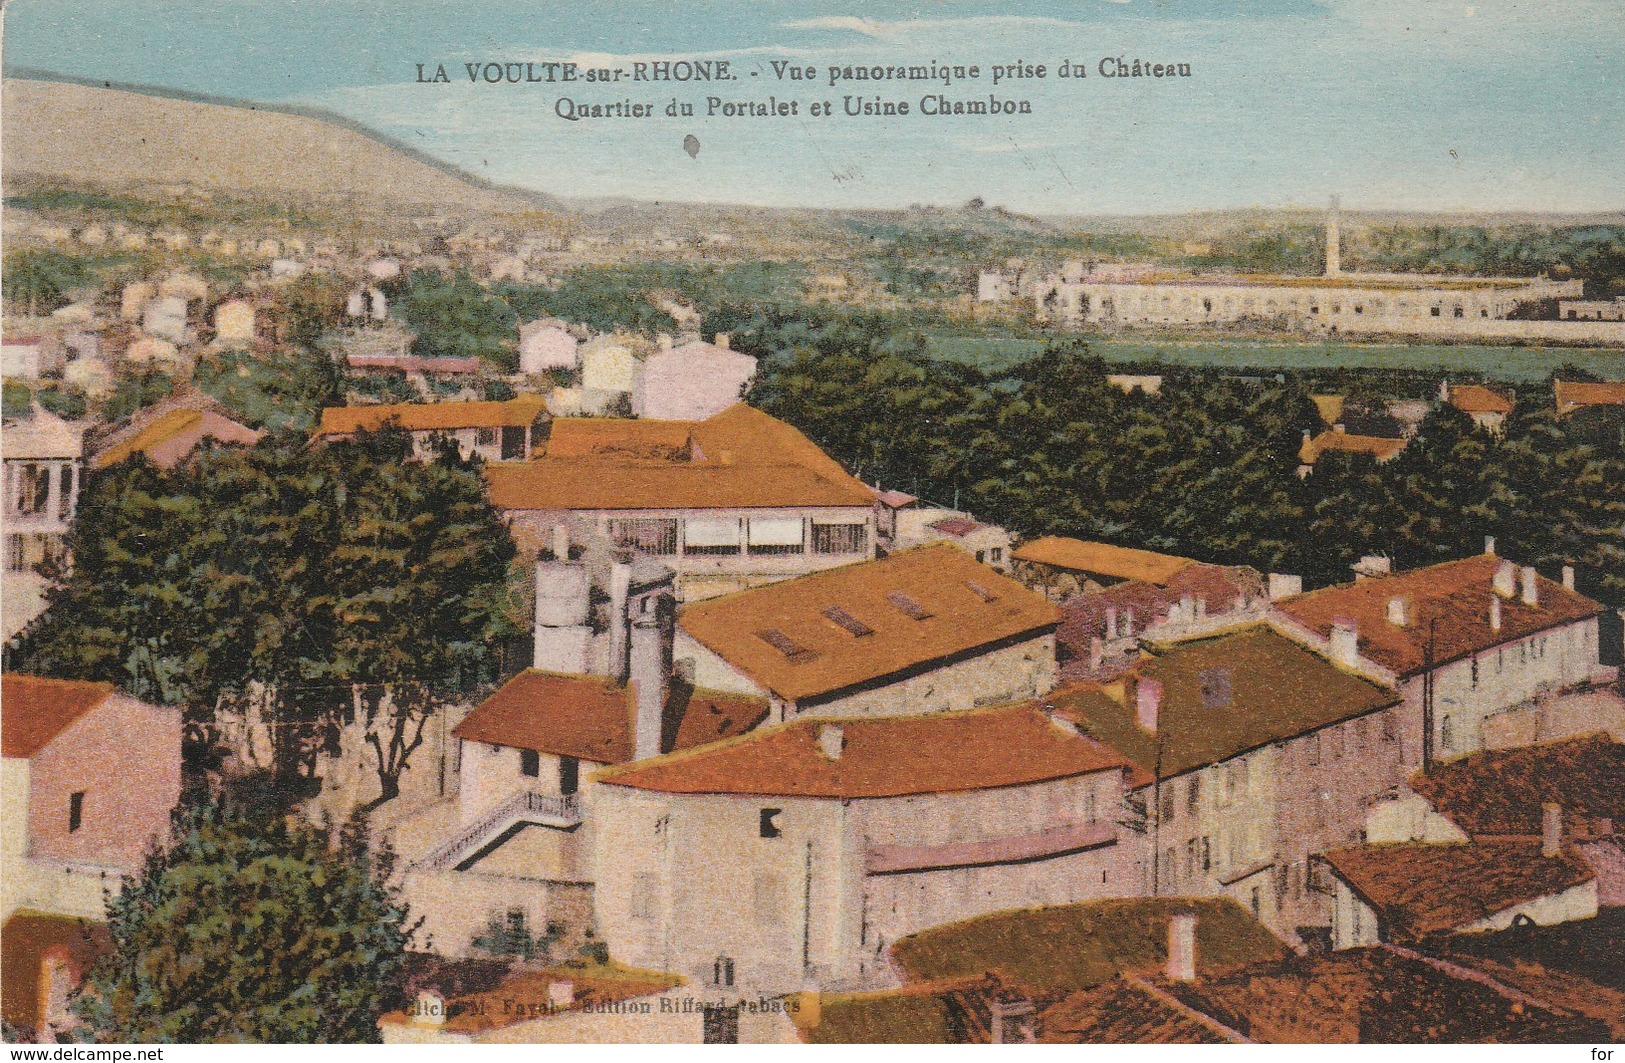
(519, 412)
(25, 941)
(1083, 617)
(1070, 947)
(34, 710)
(1102, 559)
(1502, 792)
(1455, 593)
(1380, 447)
(1476, 398)
(1376, 996)
(1572, 395)
(859, 623)
(1129, 1011)
(1276, 690)
(1419, 888)
(739, 459)
(590, 717)
(943, 752)
(1330, 407)
(524, 996)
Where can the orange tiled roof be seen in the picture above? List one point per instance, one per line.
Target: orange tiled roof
(1476, 398)
(1419, 888)
(1572, 395)
(1502, 792)
(1455, 593)
(830, 630)
(433, 416)
(1118, 562)
(34, 710)
(1380, 447)
(739, 459)
(892, 756)
(167, 439)
(1330, 407)
(590, 717)
(1273, 689)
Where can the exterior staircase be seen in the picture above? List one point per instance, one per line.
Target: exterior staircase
(468, 844)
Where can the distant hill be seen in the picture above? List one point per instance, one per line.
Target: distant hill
(110, 136)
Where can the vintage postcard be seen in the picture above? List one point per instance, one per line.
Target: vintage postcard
(1093, 523)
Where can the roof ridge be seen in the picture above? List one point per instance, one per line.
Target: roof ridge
(1169, 1000)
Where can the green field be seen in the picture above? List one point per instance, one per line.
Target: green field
(1504, 363)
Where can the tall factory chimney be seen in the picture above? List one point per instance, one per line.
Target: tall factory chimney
(1334, 254)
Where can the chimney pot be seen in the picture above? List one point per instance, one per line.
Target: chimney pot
(1506, 575)
(1147, 704)
(1283, 585)
(1182, 947)
(832, 740)
(1495, 613)
(1396, 612)
(723, 340)
(1345, 642)
(1489, 545)
(1568, 577)
(1551, 829)
(1531, 593)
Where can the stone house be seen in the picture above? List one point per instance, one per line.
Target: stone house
(692, 381)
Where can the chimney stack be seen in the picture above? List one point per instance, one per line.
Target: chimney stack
(1489, 545)
(647, 681)
(1551, 829)
(1097, 653)
(832, 740)
(1531, 594)
(1568, 577)
(1495, 613)
(1283, 585)
(1506, 575)
(1147, 704)
(1396, 611)
(620, 585)
(1182, 947)
(723, 340)
(561, 542)
(1345, 642)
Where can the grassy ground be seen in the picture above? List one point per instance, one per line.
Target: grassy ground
(1504, 363)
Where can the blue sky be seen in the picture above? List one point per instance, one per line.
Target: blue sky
(1417, 104)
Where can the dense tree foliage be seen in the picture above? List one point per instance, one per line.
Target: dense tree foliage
(454, 317)
(1207, 468)
(304, 588)
(250, 927)
(283, 387)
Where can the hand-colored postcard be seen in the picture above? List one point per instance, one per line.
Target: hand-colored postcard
(933, 521)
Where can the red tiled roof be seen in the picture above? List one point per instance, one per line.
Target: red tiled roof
(1475, 398)
(433, 416)
(1572, 395)
(590, 717)
(1502, 792)
(34, 710)
(959, 527)
(1380, 447)
(1102, 559)
(1455, 593)
(943, 752)
(739, 459)
(1419, 888)
(912, 608)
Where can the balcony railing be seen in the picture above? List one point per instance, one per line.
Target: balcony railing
(462, 848)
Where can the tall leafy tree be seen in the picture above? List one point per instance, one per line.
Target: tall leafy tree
(250, 927)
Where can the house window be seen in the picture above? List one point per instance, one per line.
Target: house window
(16, 553)
(569, 775)
(997, 554)
(710, 535)
(485, 437)
(644, 889)
(767, 824)
(840, 538)
(775, 535)
(1168, 803)
(1475, 673)
(1207, 853)
(513, 443)
(1447, 733)
(648, 535)
(530, 763)
(981, 556)
(1192, 852)
(76, 811)
(1193, 796)
(1314, 748)
(722, 971)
